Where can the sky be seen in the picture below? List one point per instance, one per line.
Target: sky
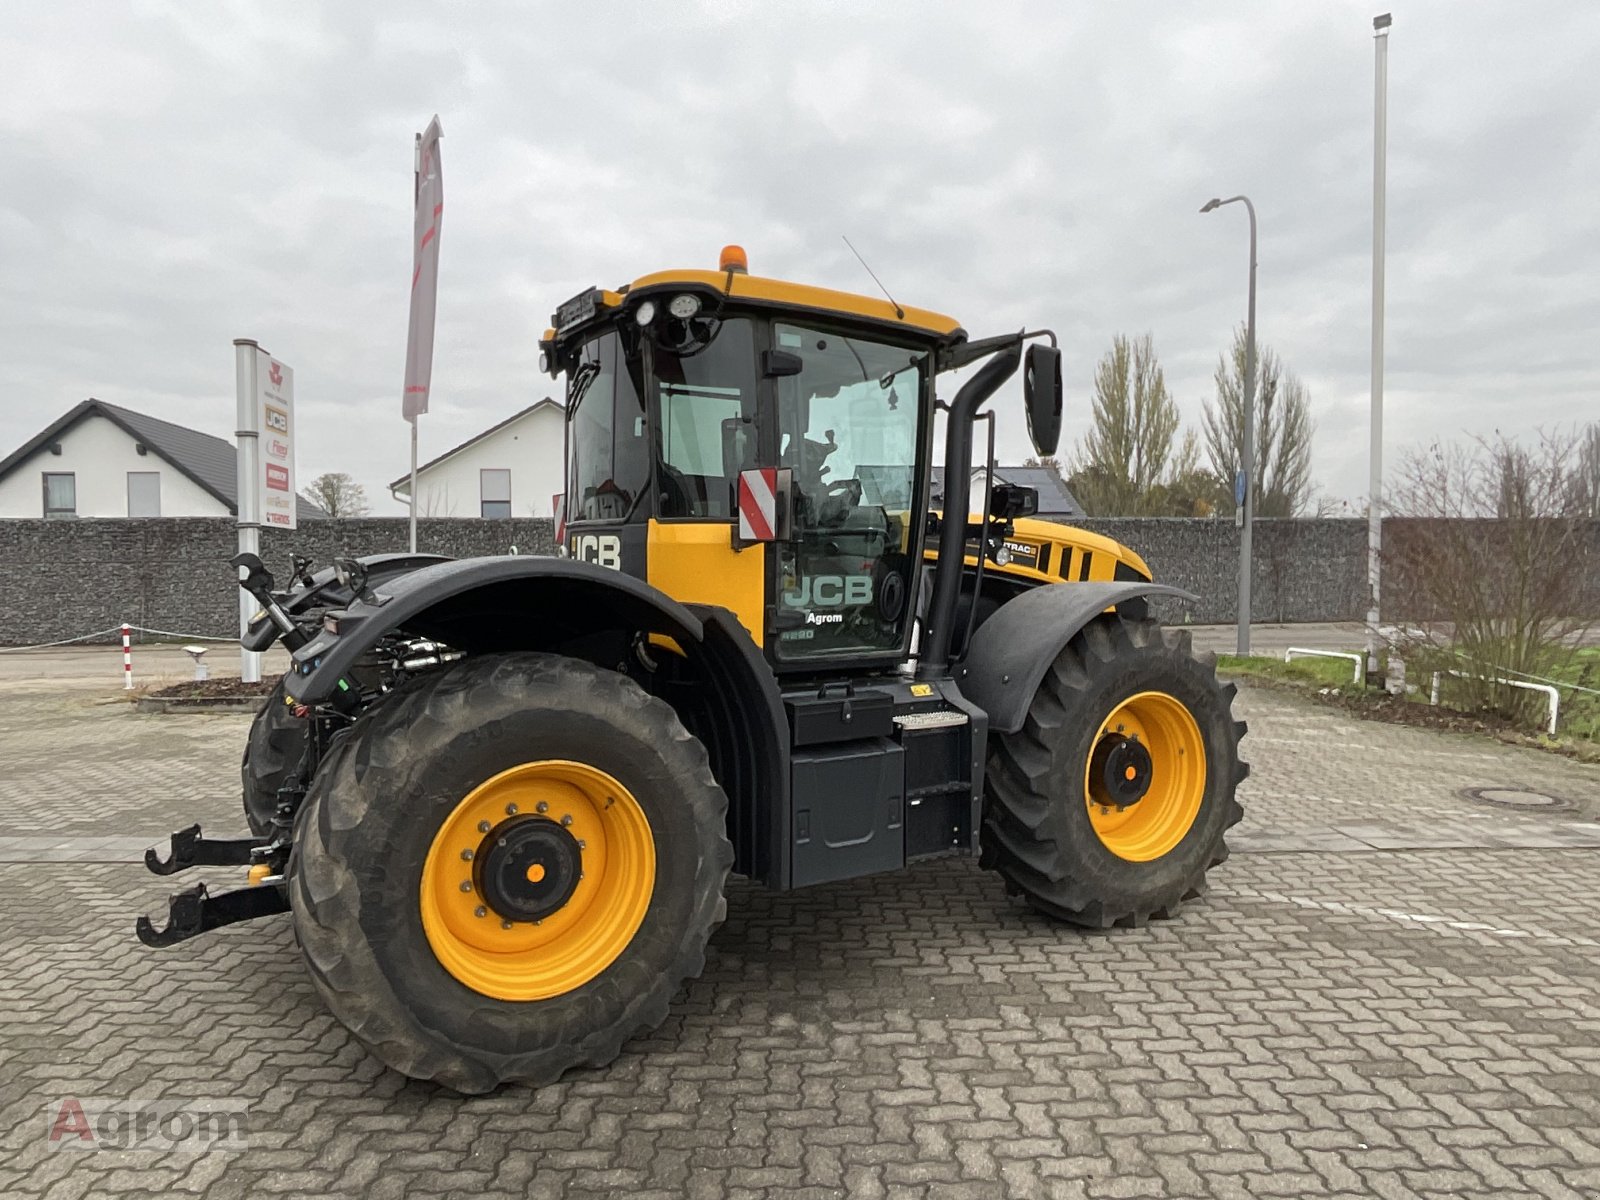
(176, 175)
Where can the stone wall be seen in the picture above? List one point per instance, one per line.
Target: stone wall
(60, 579)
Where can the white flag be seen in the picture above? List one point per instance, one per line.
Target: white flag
(424, 273)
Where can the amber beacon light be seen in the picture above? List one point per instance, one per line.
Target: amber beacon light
(734, 259)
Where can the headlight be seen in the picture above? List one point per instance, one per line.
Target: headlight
(1002, 556)
(685, 306)
(544, 362)
(645, 313)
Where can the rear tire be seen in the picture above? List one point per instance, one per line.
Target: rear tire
(1040, 830)
(272, 753)
(369, 855)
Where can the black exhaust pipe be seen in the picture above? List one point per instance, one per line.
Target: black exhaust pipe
(935, 658)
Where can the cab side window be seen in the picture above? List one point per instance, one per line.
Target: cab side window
(608, 468)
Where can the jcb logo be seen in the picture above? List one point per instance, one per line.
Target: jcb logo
(831, 591)
(601, 549)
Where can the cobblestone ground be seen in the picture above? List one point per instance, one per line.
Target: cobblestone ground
(1393, 991)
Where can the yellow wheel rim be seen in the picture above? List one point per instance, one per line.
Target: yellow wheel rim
(583, 846)
(1149, 741)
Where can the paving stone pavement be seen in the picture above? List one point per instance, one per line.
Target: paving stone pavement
(1395, 994)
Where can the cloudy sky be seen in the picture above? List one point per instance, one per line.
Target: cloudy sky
(176, 175)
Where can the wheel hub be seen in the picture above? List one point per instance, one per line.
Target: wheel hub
(1121, 769)
(527, 868)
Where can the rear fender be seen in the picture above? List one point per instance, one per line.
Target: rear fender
(1012, 650)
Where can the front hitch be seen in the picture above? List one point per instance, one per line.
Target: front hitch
(196, 910)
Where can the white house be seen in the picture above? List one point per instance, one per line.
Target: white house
(101, 460)
(513, 469)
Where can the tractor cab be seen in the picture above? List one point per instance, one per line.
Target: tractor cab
(756, 444)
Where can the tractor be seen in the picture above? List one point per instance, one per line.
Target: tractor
(502, 797)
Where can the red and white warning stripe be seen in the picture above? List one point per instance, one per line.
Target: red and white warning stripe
(758, 504)
(127, 658)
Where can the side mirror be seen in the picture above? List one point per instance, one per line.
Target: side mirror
(1041, 393)
(1007, 502)
(776, 364)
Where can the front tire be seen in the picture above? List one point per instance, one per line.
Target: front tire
(272, 753)
(1124, 706)
(508, 869)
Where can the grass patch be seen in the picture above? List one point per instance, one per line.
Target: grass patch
(1322, 672)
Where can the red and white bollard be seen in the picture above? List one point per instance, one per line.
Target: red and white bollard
(127, 658)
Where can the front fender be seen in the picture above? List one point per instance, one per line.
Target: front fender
(511, 602)
(1012, 650)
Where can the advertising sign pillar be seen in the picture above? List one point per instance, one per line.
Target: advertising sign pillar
(264, 388)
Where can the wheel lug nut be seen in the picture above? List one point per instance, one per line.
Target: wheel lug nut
(483, 827)
(505, 924)
(466, 885)
(480, 911)
(582, 845)
(566, 819)
(511, 810)
(466, 856)
(541, 807)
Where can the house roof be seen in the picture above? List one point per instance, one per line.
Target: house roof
(209, 462)
(1055, 500)
(547, 402)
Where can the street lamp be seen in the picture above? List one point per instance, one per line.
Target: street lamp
(1244, 491)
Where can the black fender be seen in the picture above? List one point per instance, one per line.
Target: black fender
(509, 602)
(1012, 650)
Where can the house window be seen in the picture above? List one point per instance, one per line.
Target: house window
(60, 494)
(144, 493)
(494, 488)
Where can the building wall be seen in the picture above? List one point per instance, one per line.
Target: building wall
(531, 448)
(100, 455)
(61, 579)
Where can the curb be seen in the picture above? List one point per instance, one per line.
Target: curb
(190, 704)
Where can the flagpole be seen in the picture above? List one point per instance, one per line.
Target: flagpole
(416, 194)
(412, 494)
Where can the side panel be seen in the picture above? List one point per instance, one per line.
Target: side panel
(694, 562)
(1045, 552)
(1012, 650)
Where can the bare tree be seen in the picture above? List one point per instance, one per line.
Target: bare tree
(1499, 555)
(338, 495)
(1281, 477)
(1132, 447)
(1586, 474)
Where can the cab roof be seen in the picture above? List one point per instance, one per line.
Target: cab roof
(784, 294)
(798, 298)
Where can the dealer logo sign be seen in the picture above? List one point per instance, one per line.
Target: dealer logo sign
(189, 1126)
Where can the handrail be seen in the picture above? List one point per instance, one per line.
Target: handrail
(1547, 689)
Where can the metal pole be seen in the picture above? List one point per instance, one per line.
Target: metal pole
(416, 193)
(1380, 153)
(1248, 451)
(413, 492)
(246, 356)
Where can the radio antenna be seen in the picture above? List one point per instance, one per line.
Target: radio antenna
(898, 311)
